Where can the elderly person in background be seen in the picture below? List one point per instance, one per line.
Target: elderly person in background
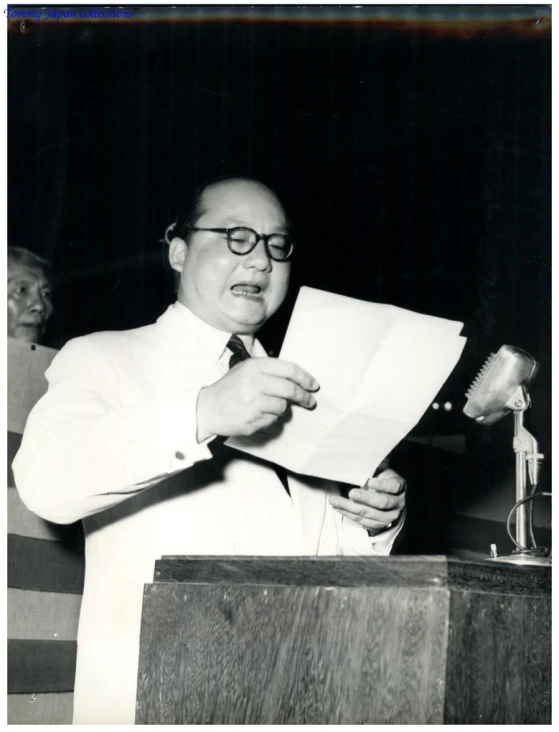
(129, 439)
(29, 295)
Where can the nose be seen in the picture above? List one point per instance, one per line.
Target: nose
(258, 258)
(37, 303)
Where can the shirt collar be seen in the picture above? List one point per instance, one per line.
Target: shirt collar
(181, 319)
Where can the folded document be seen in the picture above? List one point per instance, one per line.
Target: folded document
(379, 368)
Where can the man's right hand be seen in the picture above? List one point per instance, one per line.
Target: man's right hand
(252, 395)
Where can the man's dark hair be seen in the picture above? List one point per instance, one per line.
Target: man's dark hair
(191, 209)
(20, 255)
(189, 212)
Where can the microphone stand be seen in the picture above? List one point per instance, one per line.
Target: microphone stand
(525, 447)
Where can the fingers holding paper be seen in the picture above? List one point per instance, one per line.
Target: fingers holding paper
(251, 396)
(388, 481)
(378, 504)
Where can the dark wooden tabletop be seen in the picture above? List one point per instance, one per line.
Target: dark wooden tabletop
(398, 571)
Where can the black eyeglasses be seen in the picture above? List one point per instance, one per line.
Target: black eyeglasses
(242, 240)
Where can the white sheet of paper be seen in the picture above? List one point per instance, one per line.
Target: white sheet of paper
(379, 368)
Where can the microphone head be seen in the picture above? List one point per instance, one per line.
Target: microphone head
(499, 378)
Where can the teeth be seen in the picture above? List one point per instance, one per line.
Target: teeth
(246, 291)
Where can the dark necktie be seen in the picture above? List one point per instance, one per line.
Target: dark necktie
(239, 354)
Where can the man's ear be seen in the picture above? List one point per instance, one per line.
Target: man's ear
(178, 249)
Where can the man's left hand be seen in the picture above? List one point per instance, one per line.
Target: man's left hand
(377, 505)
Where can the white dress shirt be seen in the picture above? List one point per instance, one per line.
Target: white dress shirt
(113, 442)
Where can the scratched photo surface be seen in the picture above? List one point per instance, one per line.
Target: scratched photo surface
(411, 146)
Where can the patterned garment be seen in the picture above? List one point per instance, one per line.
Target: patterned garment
(45, 575)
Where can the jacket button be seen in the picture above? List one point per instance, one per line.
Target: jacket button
(179, 455)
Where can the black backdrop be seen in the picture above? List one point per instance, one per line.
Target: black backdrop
(414, 159)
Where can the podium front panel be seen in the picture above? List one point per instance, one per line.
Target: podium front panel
(397, 640)
(292, 654)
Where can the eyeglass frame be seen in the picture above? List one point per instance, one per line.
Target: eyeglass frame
(259, 237)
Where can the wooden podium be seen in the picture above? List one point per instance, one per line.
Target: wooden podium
(395, 640)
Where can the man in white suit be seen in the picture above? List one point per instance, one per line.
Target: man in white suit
(125, 439)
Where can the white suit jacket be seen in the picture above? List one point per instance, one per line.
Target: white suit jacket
(113, 442)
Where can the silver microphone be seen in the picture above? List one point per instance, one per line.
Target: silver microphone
(500, 386)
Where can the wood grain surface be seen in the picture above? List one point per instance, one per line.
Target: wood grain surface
(487, 576)
(394, 571)
(257, 654)
(403, 571)
(499, 659)
(391, 640)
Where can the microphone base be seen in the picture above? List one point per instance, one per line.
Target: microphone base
(526, 560)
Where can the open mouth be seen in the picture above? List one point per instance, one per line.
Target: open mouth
(245, 290)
